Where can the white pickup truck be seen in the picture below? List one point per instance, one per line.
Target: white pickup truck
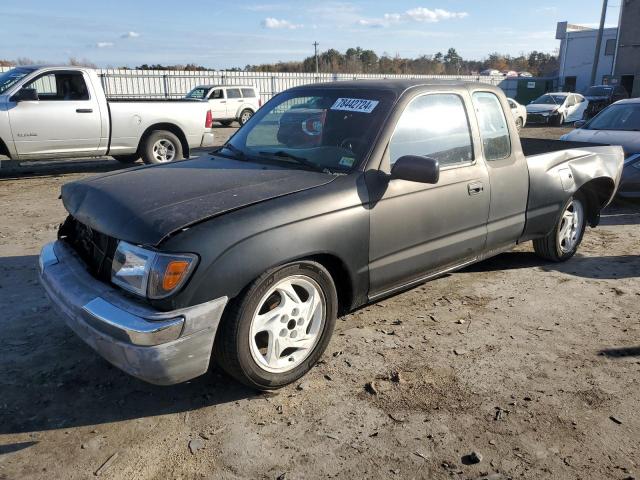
(54, 112)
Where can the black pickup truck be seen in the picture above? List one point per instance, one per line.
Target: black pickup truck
(330, 197)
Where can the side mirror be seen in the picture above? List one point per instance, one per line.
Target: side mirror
(415, 168)
(26, 95)
(580, 123)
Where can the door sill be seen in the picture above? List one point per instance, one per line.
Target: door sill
(422, 279)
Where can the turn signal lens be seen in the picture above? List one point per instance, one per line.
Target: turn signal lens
(173, 274)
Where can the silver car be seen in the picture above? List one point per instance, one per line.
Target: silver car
(618, 124)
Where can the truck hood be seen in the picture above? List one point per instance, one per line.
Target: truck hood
(629, 141)
(541, 107)
(146, 204)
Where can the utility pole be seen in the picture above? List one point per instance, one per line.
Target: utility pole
(596, 55)
(315, 48)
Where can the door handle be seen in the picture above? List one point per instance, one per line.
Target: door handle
(223, 101)
(84, 110)
(475, 188)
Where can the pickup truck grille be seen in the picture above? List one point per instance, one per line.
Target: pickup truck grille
(95, 248)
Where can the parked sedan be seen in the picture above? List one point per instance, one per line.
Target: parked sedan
(557, 108)
(618, 124)
(519, 113)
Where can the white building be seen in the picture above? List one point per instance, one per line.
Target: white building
(577, 47)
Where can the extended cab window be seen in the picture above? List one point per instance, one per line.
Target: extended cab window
(493, 126)
(233, 93)
(434, 126)
(60, 86)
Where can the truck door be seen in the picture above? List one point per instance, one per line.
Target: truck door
(218, 104)
(418, 229)
(64, 120)
(508, 171)
(234, 102)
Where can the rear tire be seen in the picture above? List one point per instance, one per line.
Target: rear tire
(127, 159)
(245, 115)
(161, 146)
(277, 329)
(563, 241)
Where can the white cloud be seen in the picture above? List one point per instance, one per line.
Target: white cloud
(130, 35)
(264, 7)
(275, 23)
(104, 44)
(418, 14)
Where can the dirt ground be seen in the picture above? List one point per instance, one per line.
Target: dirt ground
(532, 365)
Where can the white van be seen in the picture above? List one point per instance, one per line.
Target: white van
(229, 103)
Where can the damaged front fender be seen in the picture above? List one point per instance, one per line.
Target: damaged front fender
(556, 176)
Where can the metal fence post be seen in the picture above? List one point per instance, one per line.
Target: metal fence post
(166, 85)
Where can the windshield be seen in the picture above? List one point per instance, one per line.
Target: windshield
(10, 78)
(625, 116)
(198, 93)
(599, 91)
(319, 129)
(550, 99)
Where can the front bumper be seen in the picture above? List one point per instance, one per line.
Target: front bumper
(163, 348)
(538, 118)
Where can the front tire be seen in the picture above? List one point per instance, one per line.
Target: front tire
(278, 328)
(161, 146)
(563, 241)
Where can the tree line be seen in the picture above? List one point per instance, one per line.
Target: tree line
(358, 60)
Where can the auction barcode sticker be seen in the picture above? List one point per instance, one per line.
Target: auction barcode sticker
(355, 105)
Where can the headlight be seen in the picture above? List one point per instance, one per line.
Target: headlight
(148, 273)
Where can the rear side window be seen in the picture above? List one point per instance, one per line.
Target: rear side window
(233, 93)
(248, 93)
(494, 133)
(435, 126)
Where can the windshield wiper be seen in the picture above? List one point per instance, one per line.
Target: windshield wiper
(297, 159)
(238, 153)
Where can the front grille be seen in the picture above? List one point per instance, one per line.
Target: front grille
(536, 118)
(95, 248)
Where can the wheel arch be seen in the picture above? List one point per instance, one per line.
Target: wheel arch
(597, 192)
(170, 127)
(4, 150)
(242, 108)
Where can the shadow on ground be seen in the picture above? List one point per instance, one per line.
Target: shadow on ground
(621, 352)
(614, 267)
(50, 379)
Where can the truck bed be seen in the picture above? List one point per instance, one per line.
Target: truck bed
(538, 146)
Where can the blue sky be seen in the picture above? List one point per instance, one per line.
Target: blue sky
(227, 34)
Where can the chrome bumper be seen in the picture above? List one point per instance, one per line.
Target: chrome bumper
(159, 347)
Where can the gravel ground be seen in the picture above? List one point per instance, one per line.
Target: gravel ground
(533, 366)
